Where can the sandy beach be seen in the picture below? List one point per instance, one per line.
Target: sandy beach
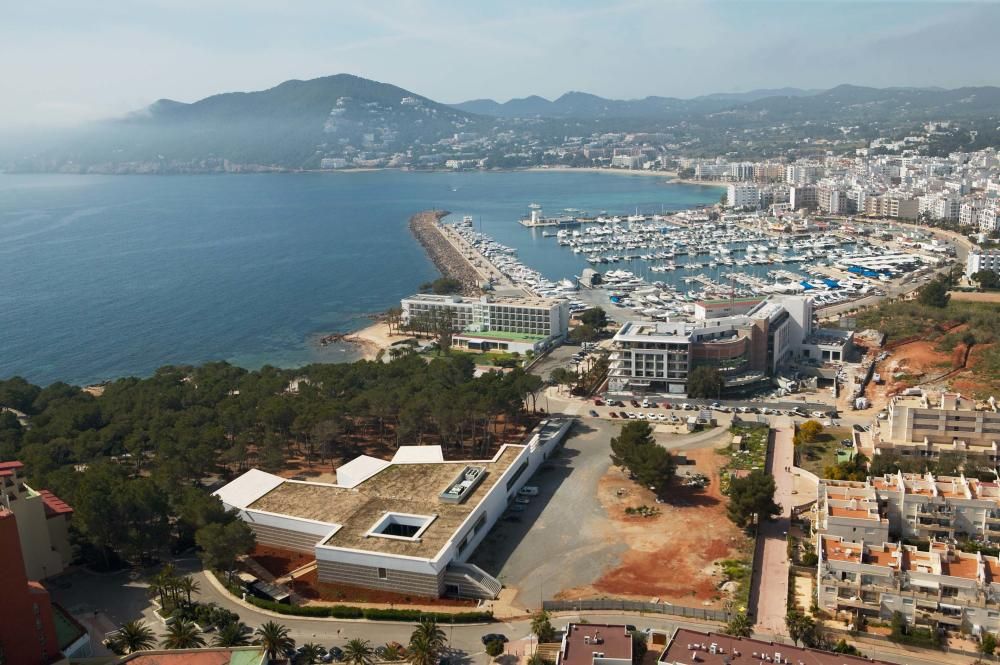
(668, 176)
(373, 339)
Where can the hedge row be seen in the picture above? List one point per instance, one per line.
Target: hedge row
(372, 614)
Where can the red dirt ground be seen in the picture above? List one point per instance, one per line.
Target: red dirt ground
(311, 589)
(277, 561)
(671, 556)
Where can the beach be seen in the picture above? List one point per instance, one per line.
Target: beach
(373, 339)
(668, 176)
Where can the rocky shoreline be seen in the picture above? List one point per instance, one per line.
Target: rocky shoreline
(447, 259)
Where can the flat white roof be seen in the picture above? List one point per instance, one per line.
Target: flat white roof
(359, 469)
(249, 487)
(418, 455)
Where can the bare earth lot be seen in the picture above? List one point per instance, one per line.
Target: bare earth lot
(576, 541)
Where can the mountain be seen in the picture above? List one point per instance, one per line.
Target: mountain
(292, 125)
(584, 105)
(849, 101)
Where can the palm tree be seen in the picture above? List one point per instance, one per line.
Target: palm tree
(358, 652)
(422, 651)
(182, 634)
(431, 631)
(392, 652)
(233, 634)
(188, 586)
(274, 638)
(135, 636)
(309, 653)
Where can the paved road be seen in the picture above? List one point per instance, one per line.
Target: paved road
(772, 580)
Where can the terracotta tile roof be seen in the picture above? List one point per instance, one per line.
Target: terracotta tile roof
(54, 506)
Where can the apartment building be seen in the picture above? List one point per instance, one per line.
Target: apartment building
(687, 646)
(27, 627)
(595, 644)
(980, 259)
(742, 195)
(803, 197)
(914, 427)
(943, 586)
(744, 339)
(42, 522)
(407, 525)
(909, 506)
(492, 322)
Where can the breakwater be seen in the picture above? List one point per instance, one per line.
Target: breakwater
(445, 256)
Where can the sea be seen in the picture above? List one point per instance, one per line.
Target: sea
(110, 276)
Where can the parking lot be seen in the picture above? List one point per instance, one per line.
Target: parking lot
(561, 539)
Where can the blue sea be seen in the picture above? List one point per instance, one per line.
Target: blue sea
(108, 276)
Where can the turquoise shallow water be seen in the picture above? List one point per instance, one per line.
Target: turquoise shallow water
(105, 276)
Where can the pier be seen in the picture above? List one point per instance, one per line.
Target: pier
(447, 258)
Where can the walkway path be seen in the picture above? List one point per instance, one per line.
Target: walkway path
(772, 579)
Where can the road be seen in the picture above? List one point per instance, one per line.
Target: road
(120, 598)
(771, 580)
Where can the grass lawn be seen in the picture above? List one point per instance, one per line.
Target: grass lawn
(496, 358)
(816, 456)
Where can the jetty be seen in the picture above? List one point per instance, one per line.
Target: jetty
(446, 257)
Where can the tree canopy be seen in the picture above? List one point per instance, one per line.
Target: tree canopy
(934, 293)
(595, 317)
(134, 461)
(749, 496)
(649, 463)
(704, 382)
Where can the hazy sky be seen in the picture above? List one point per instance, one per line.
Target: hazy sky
(64, 61)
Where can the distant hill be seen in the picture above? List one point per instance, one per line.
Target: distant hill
(360, 122)
(287, 126)
(847, 100)
(584, 105)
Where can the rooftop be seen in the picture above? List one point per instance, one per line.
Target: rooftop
(411, 489)
(582, 640)
(210, 656)
(502, 335)
(745, 651)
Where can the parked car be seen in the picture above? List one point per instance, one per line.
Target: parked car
(667, 405)
(522, 500)
(511, 518)
(334, 655)
(516, 508)
(528, 490)
(614, 415)
(635, 403)
(598, 402)
(593, 414)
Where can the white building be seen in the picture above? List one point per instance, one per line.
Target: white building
(408, 525)
(980, 259)
(745, 339)
(742, 195)
(492, 322)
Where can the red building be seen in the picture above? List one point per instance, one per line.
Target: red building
(27, 629)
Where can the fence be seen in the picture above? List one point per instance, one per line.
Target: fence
(608, 604)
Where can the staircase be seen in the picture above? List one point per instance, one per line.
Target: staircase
(466, 580)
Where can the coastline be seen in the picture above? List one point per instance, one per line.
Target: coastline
(373, 339)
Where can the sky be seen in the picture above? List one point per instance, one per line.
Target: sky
(71, 61)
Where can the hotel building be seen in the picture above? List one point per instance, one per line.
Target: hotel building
(42, 522)
(493, 322)
(915, 428)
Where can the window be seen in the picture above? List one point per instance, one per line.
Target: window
(383, 574)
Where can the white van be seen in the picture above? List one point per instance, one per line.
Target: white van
(528, 490)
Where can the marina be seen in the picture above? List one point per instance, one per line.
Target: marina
(657, 266)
